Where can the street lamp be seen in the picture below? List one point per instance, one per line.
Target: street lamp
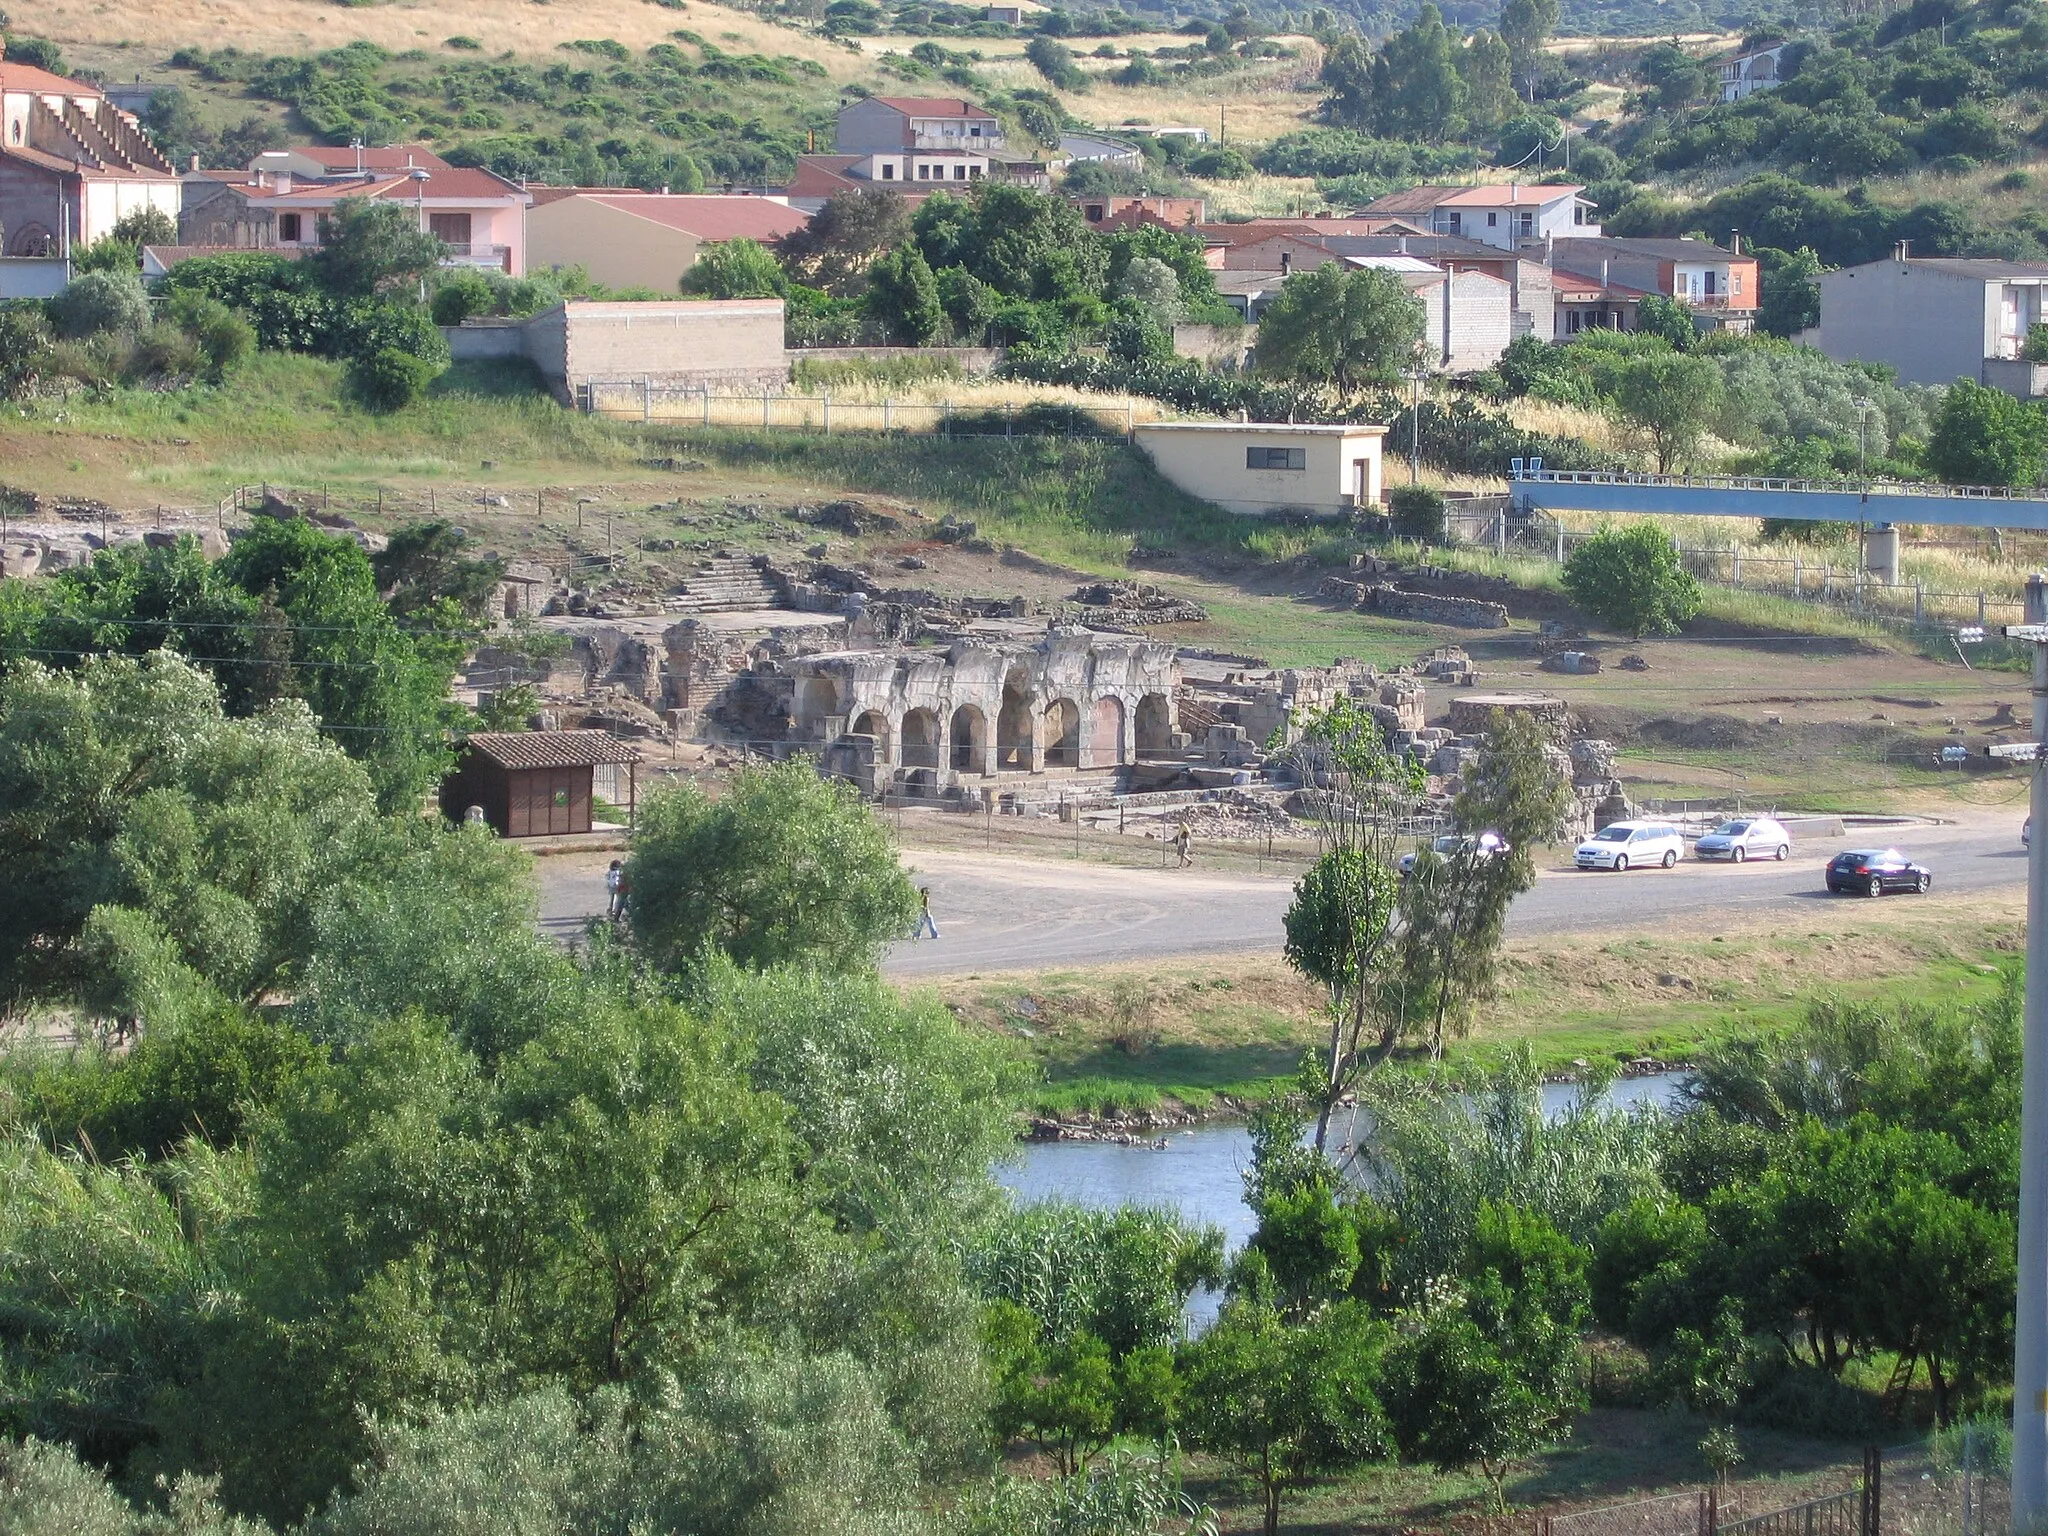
(1864, 407)
(1415, 373)
(420, 178)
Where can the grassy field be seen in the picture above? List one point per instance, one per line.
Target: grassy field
(1192, 1033)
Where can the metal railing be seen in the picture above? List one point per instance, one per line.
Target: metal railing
(1835, 1514)
(1922, 488)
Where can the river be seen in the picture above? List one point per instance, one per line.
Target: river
(1200, 1171)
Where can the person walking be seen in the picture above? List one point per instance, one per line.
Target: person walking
(925, 924)
(615, 889)
(1181, 845)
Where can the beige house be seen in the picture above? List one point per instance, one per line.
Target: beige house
(1262, 468)
(647, 239)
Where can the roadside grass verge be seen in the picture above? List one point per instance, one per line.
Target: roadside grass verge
(1193, 1032)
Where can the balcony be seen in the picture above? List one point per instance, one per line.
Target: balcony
(1716, 300)
(470, 253)
(991, 137)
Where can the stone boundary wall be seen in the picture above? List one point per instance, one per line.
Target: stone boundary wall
(1424, 607)
(972, 360)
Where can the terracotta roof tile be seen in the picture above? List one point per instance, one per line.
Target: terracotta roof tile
(26, 77)
(551, 749)
(933, 106)
(712, 218)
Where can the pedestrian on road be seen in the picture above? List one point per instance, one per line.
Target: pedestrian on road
(925, 925)
(615, 888)
(1181, 841)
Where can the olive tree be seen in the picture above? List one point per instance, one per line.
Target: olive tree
(1631, 577)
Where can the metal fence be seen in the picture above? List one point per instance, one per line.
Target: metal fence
(1672, 1514)
(1815, 580)
(645, 400)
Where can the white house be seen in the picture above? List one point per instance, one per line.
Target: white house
(1499, 215)
(1750, 72)
(1938, 319)
(879, 123)
(1262, 468)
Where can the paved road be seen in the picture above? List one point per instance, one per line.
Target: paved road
(1003, 913)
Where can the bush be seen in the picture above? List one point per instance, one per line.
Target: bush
(390, 379)
(1225, 164)
(24, 348)
(163, 353)
(101, 302)
(460, 296)
(1418, 512)
(1631, 578)
(225, 340)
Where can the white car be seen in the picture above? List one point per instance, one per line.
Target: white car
(1746, 837)
(1487, 845)
(1631, 845)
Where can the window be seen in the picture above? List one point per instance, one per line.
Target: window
(288, 228)
(1734, 281)
(888, 171)
(1492, 219)
(1457, 222)
(450, 229)
(1525, 224)
(1708, 281)
(1276, 458)
(959, 173)
(974, 130)
(924, 173)
(1578, 213)
(1094, 211)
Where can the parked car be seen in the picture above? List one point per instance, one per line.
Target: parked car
(2027, 833)
(1746, 837)
(1627, 844)
(1873, 871)
(1489, 845)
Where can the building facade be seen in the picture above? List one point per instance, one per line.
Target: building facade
(1501, 215)
(1261, 468)
(72, 165)
(1936, 319)
(647, 239)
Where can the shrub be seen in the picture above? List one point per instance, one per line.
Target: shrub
(460, 296)
(1631, 578)
(100, 302)
(24, 349)
(225, 340)
(164, 353)
(390, 379)
(1418, 512)
(145, 226)
(1225, 164)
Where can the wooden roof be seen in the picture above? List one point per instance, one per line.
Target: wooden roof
(551, 749)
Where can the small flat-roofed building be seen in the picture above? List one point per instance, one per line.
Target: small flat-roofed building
(534, 783)
(1261, 468)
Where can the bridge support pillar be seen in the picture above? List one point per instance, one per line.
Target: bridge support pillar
(1881, 553)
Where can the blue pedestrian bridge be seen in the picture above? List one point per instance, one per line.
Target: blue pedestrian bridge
(1533, 488)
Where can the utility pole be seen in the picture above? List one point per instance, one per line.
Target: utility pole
(2030, 1352)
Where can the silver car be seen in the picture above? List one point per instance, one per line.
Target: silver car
(1746, 837)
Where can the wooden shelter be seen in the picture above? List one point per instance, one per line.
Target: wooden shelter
(534, 783)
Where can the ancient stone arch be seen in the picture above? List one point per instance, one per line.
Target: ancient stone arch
(873, 723)
(1155, 725)
(921, 739)
(1106, 741)
(1015, 736)
(1062, 734)
(970, 740)
(817, 696)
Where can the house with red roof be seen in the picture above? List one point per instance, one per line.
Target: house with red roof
(281, 200)
(72, 164)
(647, 239)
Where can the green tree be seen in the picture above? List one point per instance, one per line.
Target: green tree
(1347, 78)
(1341, 325)
(1453, 907)
(423, 571)
(1419, 90)
(1790, 301)
(389, 379)
(736, 269)
(1286, 1404)
(1983, 436)
(1676, 79)
(1486, 68)
(218, 834)
(1670, 398)
(1668, 318)
(787, 866)
(1337, 931)
(903, 295)
(369, 247)
(1525, 26)
(146, 226)
(24, 348)
(842, 240)
(1632, 577)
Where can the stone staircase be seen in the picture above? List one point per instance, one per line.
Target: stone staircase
(725, 584)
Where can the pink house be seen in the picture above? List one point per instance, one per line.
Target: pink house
(279, 202)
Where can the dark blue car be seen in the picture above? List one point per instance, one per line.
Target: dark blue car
(1874, 871)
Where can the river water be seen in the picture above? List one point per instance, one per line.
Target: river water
(1200, 1172)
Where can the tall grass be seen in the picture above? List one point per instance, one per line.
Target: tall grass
(862, 375)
